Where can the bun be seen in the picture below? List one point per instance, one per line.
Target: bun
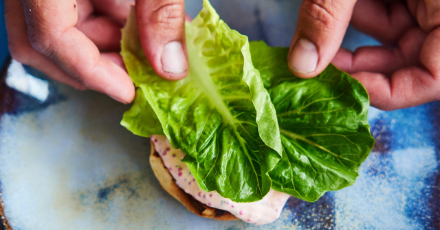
(168, 183)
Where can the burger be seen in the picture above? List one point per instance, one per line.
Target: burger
(241, 134)
(177, 180)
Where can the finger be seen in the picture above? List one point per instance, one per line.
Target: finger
(407, 87)
(105, 33)
(385, 22)
(72, 50)
(429, 53)
(115, 58)
(427, 13)
(381, 59)
(319, 33)
(162, 33)
(50, 69)
(117, 10)
(22, 51)
(102, 30)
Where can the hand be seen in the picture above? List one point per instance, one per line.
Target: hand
(404, 72)
(77, 42)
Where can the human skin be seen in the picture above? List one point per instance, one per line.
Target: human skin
(404, 72)
(76, 42)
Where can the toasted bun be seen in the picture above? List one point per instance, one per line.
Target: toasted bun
(168, 183)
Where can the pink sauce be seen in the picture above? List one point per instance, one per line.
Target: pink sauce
(261, 212)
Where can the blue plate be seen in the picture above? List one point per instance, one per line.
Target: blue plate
(66, 163)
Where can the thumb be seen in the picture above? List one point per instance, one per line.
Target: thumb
(161, 25)
(318, 36)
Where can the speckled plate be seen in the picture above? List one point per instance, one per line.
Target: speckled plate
(66, 163)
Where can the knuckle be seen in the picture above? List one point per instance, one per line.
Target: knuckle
(322, 12)
(168, 14)
(42, 41)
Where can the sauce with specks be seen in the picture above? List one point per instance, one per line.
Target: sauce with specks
(261, 212)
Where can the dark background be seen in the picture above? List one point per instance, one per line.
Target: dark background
(3, 41)
(4, 52)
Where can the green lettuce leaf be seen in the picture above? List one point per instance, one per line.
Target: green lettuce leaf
(323, 122)
(246, 123)
(219, 115)
(141, 119)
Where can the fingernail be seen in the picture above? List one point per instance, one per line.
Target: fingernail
(173, 58)
(304, 56)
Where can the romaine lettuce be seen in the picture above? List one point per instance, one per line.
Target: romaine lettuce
(141, 119)
(246, 123)
(323, 123)
(219, 113)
